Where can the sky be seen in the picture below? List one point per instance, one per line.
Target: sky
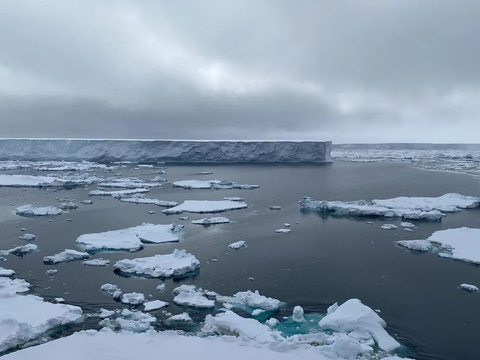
(346, 71)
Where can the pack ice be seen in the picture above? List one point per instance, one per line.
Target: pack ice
(130, 239)
(24, 318)
(176, 264)
(414, 208)
(205, 206)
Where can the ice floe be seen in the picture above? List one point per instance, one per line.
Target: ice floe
(469, 287)
(183, 317)
(130, 239)
(6, 272)
(21, 250)
(227, 185)
(283, 231)
(28, 181)
(234, 198)
(66, 256)
(211, 221)
(133, 298)
(414, 208)
(97, 262)
(176, 264)
(458, 244)
(250, 299)
(104, 313)
(154, 305)
(130, 321)
(138, 199)
(238, 245)
(297, 314)
(27, 237)
(389, 227)
(51, 272)
(407, 225)
(118, 193)
(205, 206)
(189, 295)
(193, 184)
(353, 315)
(30, 210)
(416, 245)
(161, 287)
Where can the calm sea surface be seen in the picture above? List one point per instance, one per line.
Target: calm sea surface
(323, 260)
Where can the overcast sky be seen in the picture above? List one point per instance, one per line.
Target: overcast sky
(347, 71)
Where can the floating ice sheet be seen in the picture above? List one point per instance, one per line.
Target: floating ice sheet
(205, 206)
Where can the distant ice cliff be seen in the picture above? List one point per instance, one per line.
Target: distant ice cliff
(176, 151)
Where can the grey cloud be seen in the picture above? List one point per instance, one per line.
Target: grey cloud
(401, 70)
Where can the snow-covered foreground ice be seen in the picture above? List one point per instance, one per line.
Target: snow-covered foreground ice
(130, 239)
(24, 318)
(176, 264)
(205, 206)
(414, 208)
(211, 221)
(30, 210)
(458, 244)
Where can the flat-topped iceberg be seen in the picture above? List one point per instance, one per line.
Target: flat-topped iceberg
(352, 315)
(176, 264)
(205, 206)
(189, 295)
(24, 318)
(68, 255)
(211, 221)
(30, 210)
(413, 208)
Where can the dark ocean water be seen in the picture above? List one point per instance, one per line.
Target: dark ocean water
(323, 260)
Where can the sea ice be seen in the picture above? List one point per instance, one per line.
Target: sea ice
(161, 287)
(406, 224)
(389, 227)
(188, 295)
(51, 272)
(234, 198)
(59, 300)
(133, 298)
(22, 250)
(193, 184)
(66, 256)
(416, 245)
(211, 221)
(283, 231)
(104, 313)
(183, 317)
(275, 207)
(251, 299)
(238, 245)
(28, 181)
(143, 200)
(297, 315)
(129, 321)
(27, 237)
(10, 287)
(69, 205)
(258, 312)
(469, 288)
(6, 272)
(118, 193)
(227, 185)
(130, 239)
(97, 262)
(175, 264)
(205, 206)
(30, 210)
(86, 202)
(154, 305)
(110, 288)
(458, 244)
(353, 315)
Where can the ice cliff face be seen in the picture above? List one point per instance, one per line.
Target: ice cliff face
(166, 150)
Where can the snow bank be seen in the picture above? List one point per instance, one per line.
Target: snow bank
(353, 315)
(180, 151)
(30, 210)
(205, 206)
(175, 264)
(414, 208)
(130, 239)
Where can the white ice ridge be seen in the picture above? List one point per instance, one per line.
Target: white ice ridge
(176, 264)
(130, 239)
(24, 318)
(30, 210)
(205, 206)
(352, 315)
(180, 151)
(415, 208)
(190, 295)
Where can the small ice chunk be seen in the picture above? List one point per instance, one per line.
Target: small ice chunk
(27, 237)
(275, 207)
(238, 245)
(233, 198)
(406, 224)
(30, 210)
(97, 262)
(51, 272)
(283, 231)
(66, 256)
(272, 322)
(183, 218)
(104, 313)
(69, 205)
(175, 264)
(133, 298)
(183, 317)
(287, 225)
(193, 184)
(188, 295)
(151, 212)
(154, 305)
(408, 229)
(59, 300)
(22, 250)
(389, 227)
(251, 299)
(118, 193)
(161, 287)
(297, 315)
(257, 312)
(347, 348)
(416, 245)
(211, 221)
(6, 272)
(469, 287)
(86, 202)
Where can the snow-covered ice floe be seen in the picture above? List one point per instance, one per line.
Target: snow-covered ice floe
(413, 208)
(389, 227)
(205, 206)
(6, 272)
(192, 184)
(100, 262)
(283, 231)
(28, 181)
(212, 184)
(211, 221)
(20, 250)
(154, 305)
(138, 199)
(133, 298)
(458, 244)
(238, 245)
(190, 295)
(130, 239)
(68, 255)
(183, 317)
(128, 321)
(118, 193)
(24, 318)
(177, 264)
(30, 210)
(27, 237)
(469, 287)
(250, 300)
